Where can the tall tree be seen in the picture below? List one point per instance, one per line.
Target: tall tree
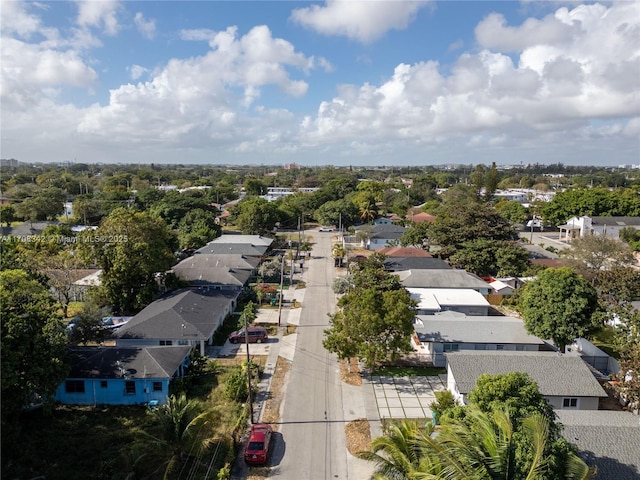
(561, 305)
(131, 248)
(372, 324)
(197, 228)
(32, 342)
(256, 216)
(591, 254)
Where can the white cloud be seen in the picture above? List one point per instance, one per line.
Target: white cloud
(137, 71)
(99, 14)
(198, 35)
(146, 27)
(203, 96)
(566, 78)
(361, 20)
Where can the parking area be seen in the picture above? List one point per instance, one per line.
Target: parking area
(406, 397)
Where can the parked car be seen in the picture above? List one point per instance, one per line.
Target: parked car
(327, 229)
(255, 334)
(257, 450)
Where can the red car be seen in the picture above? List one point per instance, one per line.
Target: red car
(257, 449)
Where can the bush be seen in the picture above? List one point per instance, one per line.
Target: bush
(235, 387)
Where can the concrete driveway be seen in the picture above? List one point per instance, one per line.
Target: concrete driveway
(406, 397)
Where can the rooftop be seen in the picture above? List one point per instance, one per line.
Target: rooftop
(608, 439)
(555, 374)
(447, 328)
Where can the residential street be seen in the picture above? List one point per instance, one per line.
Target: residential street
(312, 415)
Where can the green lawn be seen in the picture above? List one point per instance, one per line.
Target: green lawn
(408, 371)
(604, 341)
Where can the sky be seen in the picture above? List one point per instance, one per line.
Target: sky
(335, 82)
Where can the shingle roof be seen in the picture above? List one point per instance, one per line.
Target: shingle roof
(447, 328)
(399, 264)
(444, 278)
(555, 374)
(616, 221)
(230, 238)
(606, 439)
(197, 273)
(181, 314)
(139, 362)
(235, 261)
(234, 249)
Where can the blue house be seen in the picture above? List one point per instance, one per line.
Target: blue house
(121, 375)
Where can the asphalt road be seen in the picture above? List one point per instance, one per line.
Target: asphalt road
(312, 427)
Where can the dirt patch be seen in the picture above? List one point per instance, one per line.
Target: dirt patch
(271, 412)
(358, 434)
(350, 375)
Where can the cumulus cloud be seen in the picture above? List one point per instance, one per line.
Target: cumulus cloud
(31, 70)
(201, 95)
(99, 14)
(360, 20)
(565, 77)
(146, 27)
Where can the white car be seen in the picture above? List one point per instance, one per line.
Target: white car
(327, 229)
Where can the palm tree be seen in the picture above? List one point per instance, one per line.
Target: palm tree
(397, 454)
(368, 212)
(339, 252)
(482, 446)
(181, 432)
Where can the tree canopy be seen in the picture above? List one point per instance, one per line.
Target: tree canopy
(131, 248)
(32, 342)
(591, 254)
(560, 305)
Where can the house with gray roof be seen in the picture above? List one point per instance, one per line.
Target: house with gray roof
(121, 375)
(183, 317)
(208, 271)
(449, 278)
(463, 300)
(378, 236)
(399, 264)
(565, 381)
(608, 440)
(453, 332)
(244, 249)
(230, 238)
(237, 262)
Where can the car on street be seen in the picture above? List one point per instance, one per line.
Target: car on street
(327, 229)
(254, 334)
(257, 450)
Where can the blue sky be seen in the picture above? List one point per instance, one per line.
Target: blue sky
(340, 82)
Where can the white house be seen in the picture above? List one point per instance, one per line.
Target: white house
(585, 225)
(462, 300)
(564, 380)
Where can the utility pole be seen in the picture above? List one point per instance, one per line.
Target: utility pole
(246, 344)
(281, 291)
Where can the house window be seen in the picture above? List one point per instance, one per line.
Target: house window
(74, 386)
(569, 403)
(451, 347)
(157, 386)
(103, 384)
(166, 342)
(130, 388)
(499, 347)
(519, 348)
(480, 346)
